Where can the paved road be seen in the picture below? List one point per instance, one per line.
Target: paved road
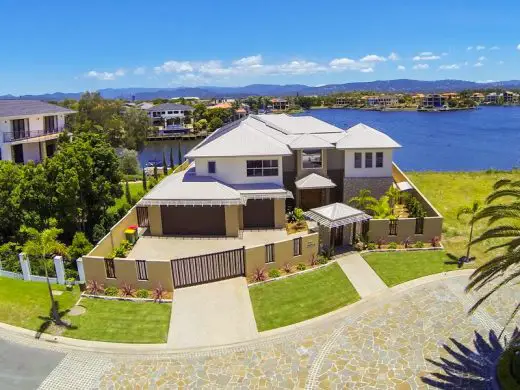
(23, 367)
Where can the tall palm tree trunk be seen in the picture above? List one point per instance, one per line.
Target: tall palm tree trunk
(54, 310)
(470, 240)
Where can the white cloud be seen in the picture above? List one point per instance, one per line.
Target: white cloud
(469, 48)
(105, 75)
(367, 70)
(393, 56)
(494, 48)
(518, 47)
(421, 66)
(500, 62)
(349, 64)
(140, 70)
(480, 47)
(426, 56)
(174, 67)
(249, 61)
(478, 65)
(482, 58)
(449, 67)
(373, 58)
(401, 67)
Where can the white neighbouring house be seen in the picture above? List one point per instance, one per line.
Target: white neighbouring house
(29, 128)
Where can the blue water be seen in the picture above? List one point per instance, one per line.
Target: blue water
(444, 141)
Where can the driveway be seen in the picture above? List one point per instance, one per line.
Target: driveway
(212, 314)
(361, 275)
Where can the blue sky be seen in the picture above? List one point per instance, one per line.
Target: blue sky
(72, 46)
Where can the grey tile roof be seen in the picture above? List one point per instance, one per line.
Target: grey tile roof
(30, 107)
(171, 107)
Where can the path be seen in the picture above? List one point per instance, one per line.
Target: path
(361, 275)
(386, 341)
(212, 314)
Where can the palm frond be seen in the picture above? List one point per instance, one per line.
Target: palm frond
(494, 267)
(509, 192)
(482, 299)
(504, 231)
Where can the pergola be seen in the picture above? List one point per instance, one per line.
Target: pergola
(332, 220)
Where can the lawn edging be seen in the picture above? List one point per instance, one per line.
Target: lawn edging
(436, 248)
(132, 299)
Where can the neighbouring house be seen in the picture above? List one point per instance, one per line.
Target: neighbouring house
(510, 97)
(433, 101)
(382, 100)
(479, 97)
(29, 129)
(341, 101)
(169, 114)
(493, 98)
(224, 215)
(279, 104)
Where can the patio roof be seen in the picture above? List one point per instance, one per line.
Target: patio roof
(313, 181)
(262, 191)
(336, 214)
(404, 186)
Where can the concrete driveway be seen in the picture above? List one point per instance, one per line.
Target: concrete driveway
(212, 314)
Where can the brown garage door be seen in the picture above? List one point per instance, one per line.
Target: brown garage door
(259, 214)
(193, 220)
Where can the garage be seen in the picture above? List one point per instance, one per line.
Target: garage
(259, 213)
(193, 220)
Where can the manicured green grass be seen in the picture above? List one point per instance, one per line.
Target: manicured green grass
(136, 190)
(399, 267)
(121, 321)
(23, 303)
(448, 191)
(301, 297)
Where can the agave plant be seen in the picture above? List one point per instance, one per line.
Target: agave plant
(287, 267)
(94, 287)
(158, 293)
(127, 290)
(259, 275)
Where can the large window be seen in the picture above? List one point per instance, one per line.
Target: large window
(262, 167)
(379, 160)
(357, 160)
(311, 158)
(19, 128)
(368, 160)
(50, 124)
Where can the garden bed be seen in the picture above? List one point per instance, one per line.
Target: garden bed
(131, 299)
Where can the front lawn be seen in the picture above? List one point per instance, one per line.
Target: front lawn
(121, 321)
(27, 304)
(448, 191)
(301, 297)
(399, 267)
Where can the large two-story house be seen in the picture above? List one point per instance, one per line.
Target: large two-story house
(169, 114)
(29, 128)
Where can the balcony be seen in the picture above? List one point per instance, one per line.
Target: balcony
(13, 136)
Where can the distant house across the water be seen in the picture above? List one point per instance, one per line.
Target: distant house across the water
(169, 114)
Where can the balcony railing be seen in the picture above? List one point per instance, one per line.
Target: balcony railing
(12, 136)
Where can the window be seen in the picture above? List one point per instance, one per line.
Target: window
(212, 167)
(170, 112)
(49, 124)
(269, 253)
(142, 273)
(262, 168)
(419, 225)
(357, 160)
(311, 158)
(18, 128)
(392, 227)
(110, 269)
(368, 160)
(379, 160)
(297, 246)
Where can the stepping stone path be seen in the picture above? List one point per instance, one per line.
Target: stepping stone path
(77, 311)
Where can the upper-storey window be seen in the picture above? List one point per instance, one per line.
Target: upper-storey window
(357, 160)
(20, 128)
(379, 160)
(262, 167)
(368, 160)
(311, 158)
(50, 123)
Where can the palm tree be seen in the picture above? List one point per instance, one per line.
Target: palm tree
(41, 246)
(472, 211)
(381, 209)
(393, 195)
(364, 200)
(506, 264)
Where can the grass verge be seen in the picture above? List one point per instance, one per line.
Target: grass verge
(399, 267)
(301, 297)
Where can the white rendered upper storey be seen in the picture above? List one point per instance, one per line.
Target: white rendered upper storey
(262, 148)
(29, 128)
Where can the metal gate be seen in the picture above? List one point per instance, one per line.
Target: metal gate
(212, 267)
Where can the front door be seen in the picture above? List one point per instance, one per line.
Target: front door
(337, 236)
(18, 153)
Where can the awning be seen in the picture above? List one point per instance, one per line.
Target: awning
(262, 191)
(191, 202)
(404, 186)
(336, 214)
(314, 181)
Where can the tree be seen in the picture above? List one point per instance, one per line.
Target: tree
(10, 211)
(199, 112)
(393, 194)
(215, 123)
(471, 211)
(80, 246)
(155, 173)
(172, 164)
(128, 194)
(128, 162)
(504, 225)
(179, 152)
(364, 200)
(41, 246)
(381, 209)
(200, 125)
(164, 165)
(145, 187)
(136, 124)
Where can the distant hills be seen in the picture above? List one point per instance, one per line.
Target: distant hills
(386, 86)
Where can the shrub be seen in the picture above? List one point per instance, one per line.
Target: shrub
(259, 275)
(322, 260)
(287, 268)
(301, 267)
(392, 245)
(80, 246)
(371, 246)
(158, 293)
(314, 260)
(380, 242)
(418, 244)
(128, 162)
(94, 287)
(142, 293)
(274, 273)
(127, 290)
(122, 250)
(435, 241)
(9, 257)
(111, 291)
(327, 252)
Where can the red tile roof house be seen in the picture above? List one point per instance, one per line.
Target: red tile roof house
(224, 216)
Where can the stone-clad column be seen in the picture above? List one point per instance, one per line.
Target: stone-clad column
(26, 266)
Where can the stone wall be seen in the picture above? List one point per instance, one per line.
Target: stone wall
(377, 185)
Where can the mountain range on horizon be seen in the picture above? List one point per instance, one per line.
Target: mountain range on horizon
(205, 92)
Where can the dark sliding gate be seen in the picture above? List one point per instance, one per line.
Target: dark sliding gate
(212, 267)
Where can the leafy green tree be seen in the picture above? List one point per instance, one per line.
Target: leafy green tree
(200, 125)
(471, 211)
(10, 210)
(96, 110)
(364, 200)
(199, 112)
(9, 257)
(504, 227)
(215, 123)
(41, 246)
(145, 187)
(136, 124)
(80, 246)
(129, 162)
(393, 195)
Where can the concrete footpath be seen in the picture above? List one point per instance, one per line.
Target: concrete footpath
(361, 275)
